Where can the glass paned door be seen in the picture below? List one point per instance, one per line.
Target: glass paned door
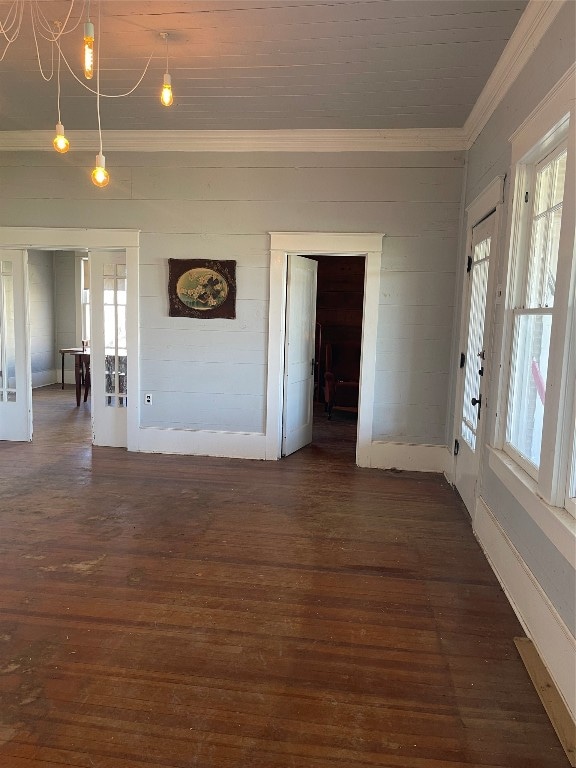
(15, 375)
(474, 360)
(115, 345)
(109, 347)
(475, 353)
(7, 333)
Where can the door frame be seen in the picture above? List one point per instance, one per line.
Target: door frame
(282, 244)
(489, 201)
(68, 239)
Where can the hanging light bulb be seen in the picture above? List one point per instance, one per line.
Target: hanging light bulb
(100, 176)
(166, 96)
(60, 143)
(88, 50)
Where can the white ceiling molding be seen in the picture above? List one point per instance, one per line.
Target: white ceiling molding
(397, 140)
(531, 28)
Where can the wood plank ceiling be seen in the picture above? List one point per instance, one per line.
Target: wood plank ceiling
(263, 64)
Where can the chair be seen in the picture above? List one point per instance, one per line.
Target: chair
(342, 377)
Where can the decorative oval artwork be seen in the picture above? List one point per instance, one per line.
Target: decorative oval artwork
(202, 289)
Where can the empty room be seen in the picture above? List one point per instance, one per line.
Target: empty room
(287, 383)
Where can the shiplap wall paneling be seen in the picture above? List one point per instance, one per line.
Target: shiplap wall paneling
(222, 206)
(296, 184)
(65, 305)
(199, 411)
(42, 318)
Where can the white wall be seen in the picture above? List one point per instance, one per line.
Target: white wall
(65, 299)
(42, 318)
(537, 569)
(212, 374)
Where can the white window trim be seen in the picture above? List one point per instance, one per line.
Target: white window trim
(547, 126)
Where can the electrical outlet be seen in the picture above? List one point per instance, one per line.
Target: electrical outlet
(148, 399)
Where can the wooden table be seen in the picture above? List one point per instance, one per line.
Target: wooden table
(81, 370)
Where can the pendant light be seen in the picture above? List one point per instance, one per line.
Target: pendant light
(60, 143)
(166, 96)
(88, 47)
(100, 176)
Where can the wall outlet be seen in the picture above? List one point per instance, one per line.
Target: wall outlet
(148, 399)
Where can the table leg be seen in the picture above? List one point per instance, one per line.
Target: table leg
(86, 376)
(78, 377)
(62, 355)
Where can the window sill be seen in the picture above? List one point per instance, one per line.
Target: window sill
(556, 523)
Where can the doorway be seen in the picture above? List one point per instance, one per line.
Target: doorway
(109, 369)
(323, 351)
(474, 418)
(283, 245)
(58, 301)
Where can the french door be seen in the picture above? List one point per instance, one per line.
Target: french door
(108, 347)
(15, 376)
(473, 381)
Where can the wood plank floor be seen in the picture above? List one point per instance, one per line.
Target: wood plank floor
(162, 611)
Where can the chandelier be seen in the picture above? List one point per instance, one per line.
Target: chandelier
(53, 32)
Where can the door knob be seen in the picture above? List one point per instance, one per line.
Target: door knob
(477, 401)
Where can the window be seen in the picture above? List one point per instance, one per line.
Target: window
(532, 319)
(537, 398)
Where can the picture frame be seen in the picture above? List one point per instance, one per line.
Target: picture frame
(202, 288)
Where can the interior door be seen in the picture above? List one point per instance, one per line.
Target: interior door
(108, 347)
(15, 375)
(299, 354)
(473, 362)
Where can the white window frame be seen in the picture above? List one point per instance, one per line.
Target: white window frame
(551, 124)
(526, 185)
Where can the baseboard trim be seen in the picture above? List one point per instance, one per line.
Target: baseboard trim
(549, 696)
(405, 456)
(552, 639)
(43, 378)
(233, 445)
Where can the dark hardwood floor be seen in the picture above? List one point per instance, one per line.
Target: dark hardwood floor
(162, 612)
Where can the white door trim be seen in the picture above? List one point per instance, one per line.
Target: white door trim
(68, 239)
(302, 243)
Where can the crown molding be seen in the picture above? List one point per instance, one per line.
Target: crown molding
(530, 30)
(397, 140)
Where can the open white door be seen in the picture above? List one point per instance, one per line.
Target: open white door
(108, 347)
(15, 375)
(299, 354)
(473, 384)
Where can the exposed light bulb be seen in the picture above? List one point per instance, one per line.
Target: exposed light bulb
(60, 143)
(166, 97)
(88, 50)
(100, 176)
